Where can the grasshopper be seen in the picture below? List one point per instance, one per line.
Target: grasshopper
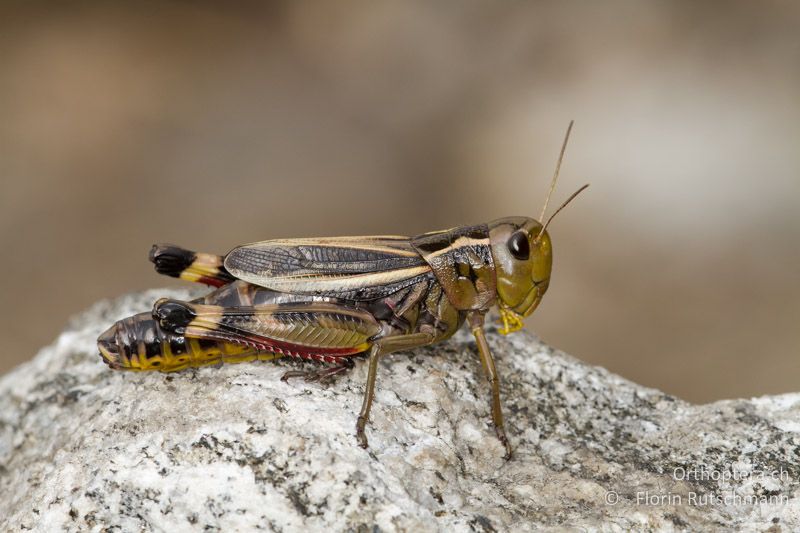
(333, 299)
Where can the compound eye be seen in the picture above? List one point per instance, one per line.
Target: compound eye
(519, 246)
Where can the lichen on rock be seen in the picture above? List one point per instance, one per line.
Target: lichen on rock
(235, 448)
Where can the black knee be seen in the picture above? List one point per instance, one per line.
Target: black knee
(171, 260)
(173, 315)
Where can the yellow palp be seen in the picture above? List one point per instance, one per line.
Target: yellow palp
(511, 321)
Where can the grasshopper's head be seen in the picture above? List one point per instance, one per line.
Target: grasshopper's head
(523, 260)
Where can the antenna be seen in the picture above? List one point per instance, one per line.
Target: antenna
(558, 169)
(572, 197)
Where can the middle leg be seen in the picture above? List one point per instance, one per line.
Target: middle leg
(383, 347)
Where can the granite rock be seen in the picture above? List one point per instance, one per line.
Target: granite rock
(236, 449)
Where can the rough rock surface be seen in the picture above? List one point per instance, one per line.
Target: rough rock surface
(234, 448)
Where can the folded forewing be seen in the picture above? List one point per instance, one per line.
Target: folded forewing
(356, 268)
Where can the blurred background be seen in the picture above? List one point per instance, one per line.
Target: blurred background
(212, 124)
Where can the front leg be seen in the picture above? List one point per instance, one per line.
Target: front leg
(476, 325)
